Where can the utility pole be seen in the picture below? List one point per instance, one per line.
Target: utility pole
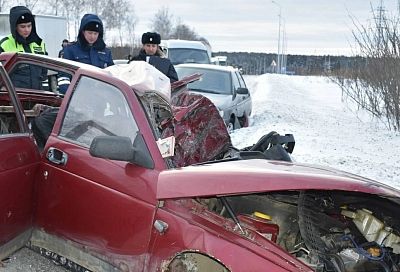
(278, 66)
(282, 43)
(283, 48)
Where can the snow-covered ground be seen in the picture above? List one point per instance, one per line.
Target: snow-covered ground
(328, 131)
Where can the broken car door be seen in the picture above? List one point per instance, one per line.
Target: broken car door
(19, 161)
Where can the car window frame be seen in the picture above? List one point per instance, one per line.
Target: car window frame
(241, 79)
(62, 73)
(71, 100)
(14, 102)
(235, 81)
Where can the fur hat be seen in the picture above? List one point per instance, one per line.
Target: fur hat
(151, 37)
(25, 18)
(92, 26)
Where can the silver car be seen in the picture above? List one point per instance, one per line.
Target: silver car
(225, 87)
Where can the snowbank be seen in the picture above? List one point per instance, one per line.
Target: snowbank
(328, 130)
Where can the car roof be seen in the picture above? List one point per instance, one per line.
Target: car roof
(207, 66)
(45, 58)
(183, 44)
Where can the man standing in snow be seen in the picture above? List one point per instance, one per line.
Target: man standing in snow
(152, 54)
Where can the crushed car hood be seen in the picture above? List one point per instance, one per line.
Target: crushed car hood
(258, 175)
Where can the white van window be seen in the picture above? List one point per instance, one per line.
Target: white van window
(188, 55)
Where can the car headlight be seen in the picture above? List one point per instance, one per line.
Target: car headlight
(221, 112)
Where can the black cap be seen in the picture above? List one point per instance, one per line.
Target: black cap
(92, 26)
(25, 18)
(151, 37)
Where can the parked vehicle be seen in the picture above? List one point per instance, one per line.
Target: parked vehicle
(52, 29)
(102, 193)
(183, 51)
(225, 87)
(219, 60)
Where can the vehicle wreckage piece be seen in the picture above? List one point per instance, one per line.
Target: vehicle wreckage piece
(199, 131)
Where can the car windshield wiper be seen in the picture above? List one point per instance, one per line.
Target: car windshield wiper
(204, 90)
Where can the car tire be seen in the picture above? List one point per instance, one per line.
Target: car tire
(231, 125)
(244, 120)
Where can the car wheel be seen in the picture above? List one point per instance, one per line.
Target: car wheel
(233, 124)
(230, 126)
(244, 120)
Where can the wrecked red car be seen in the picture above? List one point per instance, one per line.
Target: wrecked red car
(117, 184)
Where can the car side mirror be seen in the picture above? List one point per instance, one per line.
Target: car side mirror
(121, 149)
(242, 91)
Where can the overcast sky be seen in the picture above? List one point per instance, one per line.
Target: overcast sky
(313, 27)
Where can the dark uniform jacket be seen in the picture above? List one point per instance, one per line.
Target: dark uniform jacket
(164, 65)
(97, 54)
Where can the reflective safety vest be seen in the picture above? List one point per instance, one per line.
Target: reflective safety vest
(9, 44)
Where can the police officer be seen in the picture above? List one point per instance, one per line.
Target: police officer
(90, 47)
(63, 45)
(152, 54)
(23, 37)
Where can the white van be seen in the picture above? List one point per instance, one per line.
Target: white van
(183, 51)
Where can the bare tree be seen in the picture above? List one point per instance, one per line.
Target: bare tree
(205, 41)
(184, 32)
(54, 7)
(76, 11)
(119, 15)
(97, 6)
(130, 24)
(30, 4)
(162, 23)
(67, 12)
(3, 5)
(374, 83)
